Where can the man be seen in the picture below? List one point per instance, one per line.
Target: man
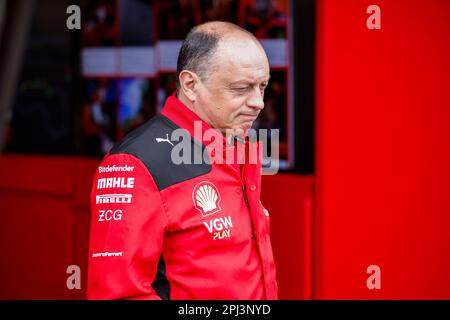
(168, 230)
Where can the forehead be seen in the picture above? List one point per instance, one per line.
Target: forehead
(241, 60)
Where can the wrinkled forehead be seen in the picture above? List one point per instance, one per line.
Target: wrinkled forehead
(242, 49)
(242, 57)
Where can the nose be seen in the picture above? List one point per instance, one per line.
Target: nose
(256, 100)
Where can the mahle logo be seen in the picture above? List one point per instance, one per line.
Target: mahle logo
(115, 182)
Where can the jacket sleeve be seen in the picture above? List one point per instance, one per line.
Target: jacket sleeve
(127, 230)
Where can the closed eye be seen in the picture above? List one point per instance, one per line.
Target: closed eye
(240, 90)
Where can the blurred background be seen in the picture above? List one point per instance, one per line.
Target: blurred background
(363, 114)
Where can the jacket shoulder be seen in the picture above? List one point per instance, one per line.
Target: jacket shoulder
(151, 144)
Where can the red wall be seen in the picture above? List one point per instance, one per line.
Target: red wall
(289, 199)
(383, 149)
(44, 225)
(45, 218)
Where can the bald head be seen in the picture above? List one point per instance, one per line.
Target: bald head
(202, 43)
(221, 28)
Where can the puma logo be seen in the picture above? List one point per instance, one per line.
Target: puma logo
(165, 140)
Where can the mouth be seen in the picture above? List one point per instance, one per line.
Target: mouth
(249, 117)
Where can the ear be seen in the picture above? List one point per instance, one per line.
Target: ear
(188, 82)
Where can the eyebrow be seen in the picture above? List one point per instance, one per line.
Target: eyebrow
(246, 82)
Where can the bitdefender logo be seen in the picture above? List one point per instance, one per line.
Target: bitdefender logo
(115, 168)
(206, 198)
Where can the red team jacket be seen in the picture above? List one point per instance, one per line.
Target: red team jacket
(162, 230)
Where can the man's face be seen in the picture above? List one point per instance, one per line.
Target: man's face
(233, 95)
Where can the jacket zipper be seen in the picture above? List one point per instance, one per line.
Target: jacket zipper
(245, 195)
(243, 186)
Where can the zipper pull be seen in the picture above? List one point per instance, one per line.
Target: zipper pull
(245, 196)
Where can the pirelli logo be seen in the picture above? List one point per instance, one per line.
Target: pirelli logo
(113, 198)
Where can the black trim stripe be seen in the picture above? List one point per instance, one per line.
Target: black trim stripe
(161, 284)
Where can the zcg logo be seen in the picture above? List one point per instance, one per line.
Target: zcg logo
(107, 215)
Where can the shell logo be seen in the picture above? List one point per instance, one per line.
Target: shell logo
(206, 198)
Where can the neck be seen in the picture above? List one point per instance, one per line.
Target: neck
(195, 110)
(186, 102)
(201, 115)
